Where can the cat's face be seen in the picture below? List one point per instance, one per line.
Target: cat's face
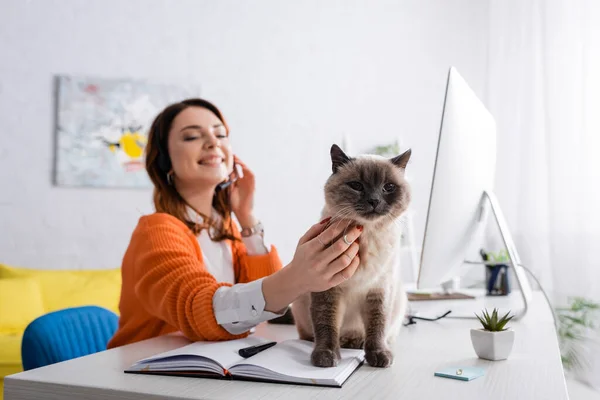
(368, 188)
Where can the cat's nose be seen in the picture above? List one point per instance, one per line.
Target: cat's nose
(374, 203)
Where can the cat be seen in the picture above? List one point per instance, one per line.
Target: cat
(367, 310)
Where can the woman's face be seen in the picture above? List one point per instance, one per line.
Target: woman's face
(199, 148)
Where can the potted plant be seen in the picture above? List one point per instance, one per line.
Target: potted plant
(575, 325)
(494, 342)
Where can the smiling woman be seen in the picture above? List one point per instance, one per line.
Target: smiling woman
(188, 266)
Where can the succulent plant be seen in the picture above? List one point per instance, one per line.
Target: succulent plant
(493, 323)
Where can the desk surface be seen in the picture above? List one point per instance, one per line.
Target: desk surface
(533, 371)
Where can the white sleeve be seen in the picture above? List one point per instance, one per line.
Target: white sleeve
(241, 307)
(255, 244)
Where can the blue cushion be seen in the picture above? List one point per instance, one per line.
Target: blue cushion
(66, 334)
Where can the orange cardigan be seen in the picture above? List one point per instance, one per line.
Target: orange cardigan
(166, 287)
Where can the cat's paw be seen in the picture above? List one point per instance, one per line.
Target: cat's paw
(380, 358)
(352, 341)
(324, 358)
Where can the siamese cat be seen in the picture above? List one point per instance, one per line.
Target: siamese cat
(367, 310)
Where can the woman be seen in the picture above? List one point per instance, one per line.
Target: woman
(188, 268)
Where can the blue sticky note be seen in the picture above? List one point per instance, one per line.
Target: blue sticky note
(461, 373)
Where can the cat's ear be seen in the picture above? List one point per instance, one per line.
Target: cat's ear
(338, 158)
(401, 160)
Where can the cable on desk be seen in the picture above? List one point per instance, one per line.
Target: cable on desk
(411, 318)
(544, 293)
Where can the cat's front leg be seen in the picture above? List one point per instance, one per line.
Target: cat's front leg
(326, 315)
(377, 352)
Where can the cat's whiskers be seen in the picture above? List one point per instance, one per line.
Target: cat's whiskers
(397, 220)
(400, 217)
(393, 221)
(338, 217)
(348, 212)
(344, 210)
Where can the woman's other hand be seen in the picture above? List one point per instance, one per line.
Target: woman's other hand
(242, 196)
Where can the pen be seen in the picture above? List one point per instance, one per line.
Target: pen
(253, 350)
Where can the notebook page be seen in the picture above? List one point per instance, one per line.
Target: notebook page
(292, 358)
(224, 353)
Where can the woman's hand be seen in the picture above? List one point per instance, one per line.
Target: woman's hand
(242, 196)
(317, 266)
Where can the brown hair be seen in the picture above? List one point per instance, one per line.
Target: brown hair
(158, 165)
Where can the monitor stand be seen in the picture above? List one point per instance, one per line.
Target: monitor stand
(452, 290)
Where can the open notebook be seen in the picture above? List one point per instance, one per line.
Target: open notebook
(286, 362)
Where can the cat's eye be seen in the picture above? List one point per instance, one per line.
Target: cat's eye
(389, 188)
(356, 186)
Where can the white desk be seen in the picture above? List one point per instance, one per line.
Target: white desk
(533, 371)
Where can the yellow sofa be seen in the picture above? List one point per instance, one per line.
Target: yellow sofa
(26, 294)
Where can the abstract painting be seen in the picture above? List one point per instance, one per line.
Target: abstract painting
(102, 127)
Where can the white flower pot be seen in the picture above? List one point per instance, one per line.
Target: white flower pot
(492, 346)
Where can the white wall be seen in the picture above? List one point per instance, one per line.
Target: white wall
(291, 77)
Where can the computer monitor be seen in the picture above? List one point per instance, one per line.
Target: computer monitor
(462, 190)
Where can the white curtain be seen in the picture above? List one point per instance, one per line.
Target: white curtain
(544, 91)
